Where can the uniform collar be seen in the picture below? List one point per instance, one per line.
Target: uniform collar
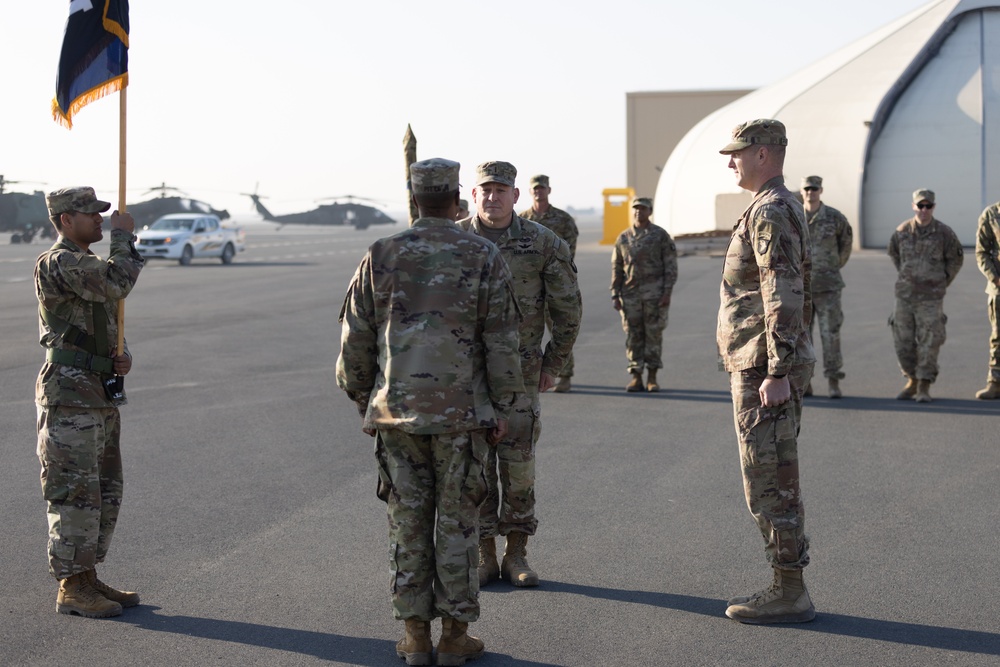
(514, 231)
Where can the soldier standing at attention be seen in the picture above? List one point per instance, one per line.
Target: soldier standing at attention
(643, 273)
(988, 259)
(544, 279)
(79, 427)
(564, 226)
(764, 343)
(928, 256)
(429, 355)
(832, 239)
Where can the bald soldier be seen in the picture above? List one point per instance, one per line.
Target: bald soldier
(988, 260)
(544, 279)
(79, 426)
(831, 239)
(430, 356)
(564, 226)
(927, 255)
(764, 343)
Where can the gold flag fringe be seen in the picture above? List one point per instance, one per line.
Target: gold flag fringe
(113, 27)
(108, 87)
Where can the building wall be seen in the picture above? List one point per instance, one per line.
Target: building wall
(656, 122)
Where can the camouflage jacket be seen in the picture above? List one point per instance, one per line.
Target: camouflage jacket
(68, 280)
(766, 301)
(988, 246)
(544, 277)
(429, 332)
(832, 239)
(557, 220)
(927, 259)
(643, 263)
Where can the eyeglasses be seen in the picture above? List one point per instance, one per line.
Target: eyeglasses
(810, 189)
(923, 206)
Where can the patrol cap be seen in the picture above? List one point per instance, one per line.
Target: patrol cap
(463, 204)
(539, 180)
(760, 132)
(82, 199)
(643, 201)
(434, 175)
(496, 172)
(923, 195)
(812, 182)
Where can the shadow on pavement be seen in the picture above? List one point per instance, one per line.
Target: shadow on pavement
(364, 651)
(930, 636)
(956, 406)
(665, 393)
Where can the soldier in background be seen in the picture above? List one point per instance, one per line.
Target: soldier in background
(764, 344)
(463, 209)
(544, 280)
(988, 259)
(831, 238)
(643, 273)
(927, 255)
(564, 226)
(444, 389)
(79, 426)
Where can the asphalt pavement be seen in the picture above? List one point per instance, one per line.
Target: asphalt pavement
(251, 529)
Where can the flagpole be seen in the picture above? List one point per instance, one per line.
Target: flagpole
(121, 202)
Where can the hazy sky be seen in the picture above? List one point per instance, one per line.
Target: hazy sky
(311, 98)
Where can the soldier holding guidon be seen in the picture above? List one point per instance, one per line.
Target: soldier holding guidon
(430, 356)
(79, 426)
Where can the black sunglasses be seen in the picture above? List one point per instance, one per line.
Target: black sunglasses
(923, 206)
(810, 189)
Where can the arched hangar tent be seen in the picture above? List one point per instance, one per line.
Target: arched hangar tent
(915, 104)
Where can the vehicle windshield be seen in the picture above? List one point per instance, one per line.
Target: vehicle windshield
(172, 224)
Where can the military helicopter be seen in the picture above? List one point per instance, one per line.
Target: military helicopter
(348, 212)
(147, 212)
(24, 215)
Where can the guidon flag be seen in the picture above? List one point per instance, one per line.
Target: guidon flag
(94, 59)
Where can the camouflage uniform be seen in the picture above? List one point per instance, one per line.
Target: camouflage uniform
(429, 354)
(988, 259)
(765, 303)
(643, 270)
(544, 278)
(927, 258)
(79, 428)
(831, 238)
(564, 226)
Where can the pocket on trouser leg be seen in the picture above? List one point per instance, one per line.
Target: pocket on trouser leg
(761, 429)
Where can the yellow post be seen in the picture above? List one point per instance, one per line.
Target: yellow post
(616, 212)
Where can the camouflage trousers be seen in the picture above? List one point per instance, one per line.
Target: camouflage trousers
(918, 331)
(435, 485)
(768, 442)
(827, 309)
(80, 453)
(567, 370)
(643, 321)
(993, 309)
(510, 473)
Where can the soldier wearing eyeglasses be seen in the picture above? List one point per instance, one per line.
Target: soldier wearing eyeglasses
(928, 256)
(831, 238)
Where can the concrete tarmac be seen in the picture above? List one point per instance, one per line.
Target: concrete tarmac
(251, 529)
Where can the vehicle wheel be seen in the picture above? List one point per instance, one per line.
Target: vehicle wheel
(186, 256)
(227, 254)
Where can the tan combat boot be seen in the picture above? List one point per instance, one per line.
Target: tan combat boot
(456, 645)
(77, 596)
(636, 384)
(489, 569)
(563, 386)
(923, 394)
(908, 391)
(124, 598)
(991, 392)
(651, 381)
(785, 601)
(835, 388)
(515, 567)
(415, 647)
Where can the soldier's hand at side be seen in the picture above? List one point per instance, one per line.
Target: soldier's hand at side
(664, 301)
(774, 391)
(997, 282)
(498, 433)
(369, 431)
(122, 363)
(616, 303)
(123, 221)
(545, 382)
